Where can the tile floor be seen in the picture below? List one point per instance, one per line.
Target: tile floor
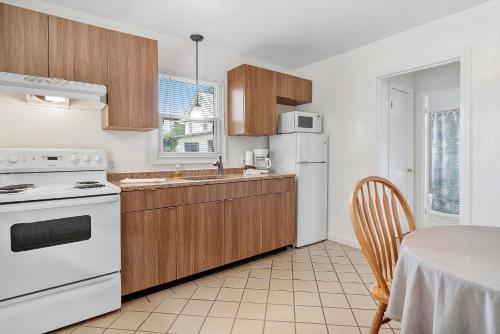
(323, 288)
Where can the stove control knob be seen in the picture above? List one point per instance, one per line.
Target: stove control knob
(86, 158)
(12, 158)
(74, 158)
(97, 158)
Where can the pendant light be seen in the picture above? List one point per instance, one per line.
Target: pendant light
(196, 112)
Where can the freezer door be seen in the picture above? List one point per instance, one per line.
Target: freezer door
(312, 147)
(311, 203)
(282, 149)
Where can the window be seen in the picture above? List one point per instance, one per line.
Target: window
(180, 137)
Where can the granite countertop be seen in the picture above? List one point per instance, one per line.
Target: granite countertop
(198, 178)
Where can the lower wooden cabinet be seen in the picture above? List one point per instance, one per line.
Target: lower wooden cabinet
(148, 241)
(278, 220)
(200, 237)
(242, 228)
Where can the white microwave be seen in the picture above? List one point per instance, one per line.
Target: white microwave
(299, 121)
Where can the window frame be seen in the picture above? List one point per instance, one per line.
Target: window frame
(219, 138)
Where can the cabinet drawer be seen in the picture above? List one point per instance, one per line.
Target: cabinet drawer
(278, 185)
(147, 199)
(242, 189)
(199, 194)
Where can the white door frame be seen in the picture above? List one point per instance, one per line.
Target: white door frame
(381, 133)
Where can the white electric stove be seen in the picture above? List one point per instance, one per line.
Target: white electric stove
(59, 239)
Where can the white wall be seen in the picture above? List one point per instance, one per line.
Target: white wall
(22, 126)
(345, 91)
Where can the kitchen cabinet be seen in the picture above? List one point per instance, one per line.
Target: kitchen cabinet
(242, 228)
(200, 237)
(132, 83)
(148, 246)
(278, 220)
(252, 96)
(23, 41)
(77, 51)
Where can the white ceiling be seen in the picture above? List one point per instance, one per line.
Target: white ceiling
(290, 33)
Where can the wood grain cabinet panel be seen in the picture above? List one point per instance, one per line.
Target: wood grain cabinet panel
(241, 189)
(77, 51)
(278, 220)
(278, 185)
(132, 83)
(293, 90)
(148, 199)
(148, 244)
(24, 41)
(200, 237)
(242, 228)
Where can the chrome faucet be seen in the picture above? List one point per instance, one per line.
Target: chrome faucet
(220, 166)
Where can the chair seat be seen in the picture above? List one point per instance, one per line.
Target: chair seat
(379, 293)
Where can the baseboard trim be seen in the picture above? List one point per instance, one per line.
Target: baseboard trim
(343, 240)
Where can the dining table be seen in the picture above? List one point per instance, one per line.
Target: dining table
(447, 280)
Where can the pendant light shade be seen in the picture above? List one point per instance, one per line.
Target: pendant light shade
(196, 112)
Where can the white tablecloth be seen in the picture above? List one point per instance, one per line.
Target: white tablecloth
(447, 280)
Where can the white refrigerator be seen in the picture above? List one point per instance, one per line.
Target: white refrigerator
(306, 155)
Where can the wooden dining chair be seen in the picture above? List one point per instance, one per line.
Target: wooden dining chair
(375, 209)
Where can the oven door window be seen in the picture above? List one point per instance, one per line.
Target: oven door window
(305, 122)
(48, 233)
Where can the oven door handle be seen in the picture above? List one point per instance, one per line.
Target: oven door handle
(58, 203)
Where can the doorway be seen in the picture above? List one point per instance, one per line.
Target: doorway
(422, 134)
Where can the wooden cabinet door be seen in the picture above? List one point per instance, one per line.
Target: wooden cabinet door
(302, 90)
(148, 248)
(200, 237)
(278, 220)
(293, 90)
(242, 228)
(260, 102)
(23, 41)
(132, 83)
(77, 51)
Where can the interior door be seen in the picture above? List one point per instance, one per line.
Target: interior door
(401, 170)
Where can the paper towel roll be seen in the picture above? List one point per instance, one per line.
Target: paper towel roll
(249, 158)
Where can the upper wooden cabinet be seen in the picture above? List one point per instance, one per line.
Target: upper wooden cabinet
(23, 41)
(77, 51)
(132, 83)
(252, 96)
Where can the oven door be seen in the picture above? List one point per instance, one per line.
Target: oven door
(51, 243)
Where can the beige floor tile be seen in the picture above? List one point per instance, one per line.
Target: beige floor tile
(334, 253)
(88, 330)
(366, 330)
(230, 295)
(197, 307)
(280, 312)
(308, 286)
(281, 273)
(118, 331)
(252, 311)
(343, 329)
(217, 326)
(364, 317)
(260, 273)
(235, 282)
(281, 284)
(302, 266)
(327, 276)
(362, 302)
(65, 330)
(205, 292)
(171, 305)
(275, 327)
(103, 321)
(340, 260)
(254, 296)
(344, 268)
(241, 273)
(354, 253)
(321, 252)
(309, 314)
(395, 324)
(186, 324)
(282, 265)
(363, 268)
(158, 322)
(310, 329)
(210, 281)
(358, 260)
(334, 300)
(306, 298)
(280, 297)
(322, 267)
(349, 277)
(225, 273)
(224, 309)
(333, 245)
(129, 320)
(246, 326)
(330, 287)
(258, 283)
(301, 258)
(306, 275)
(133, 303)
(262, 264)
(184, 291)
(339, 316)
(320, 259)
(368, 278)
(160, 295)
(355, 289)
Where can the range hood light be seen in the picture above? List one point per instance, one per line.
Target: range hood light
(47, 100)
(54, 99)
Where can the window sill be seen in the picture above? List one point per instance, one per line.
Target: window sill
(182, 159)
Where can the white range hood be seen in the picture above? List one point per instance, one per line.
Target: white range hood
(53, 92)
